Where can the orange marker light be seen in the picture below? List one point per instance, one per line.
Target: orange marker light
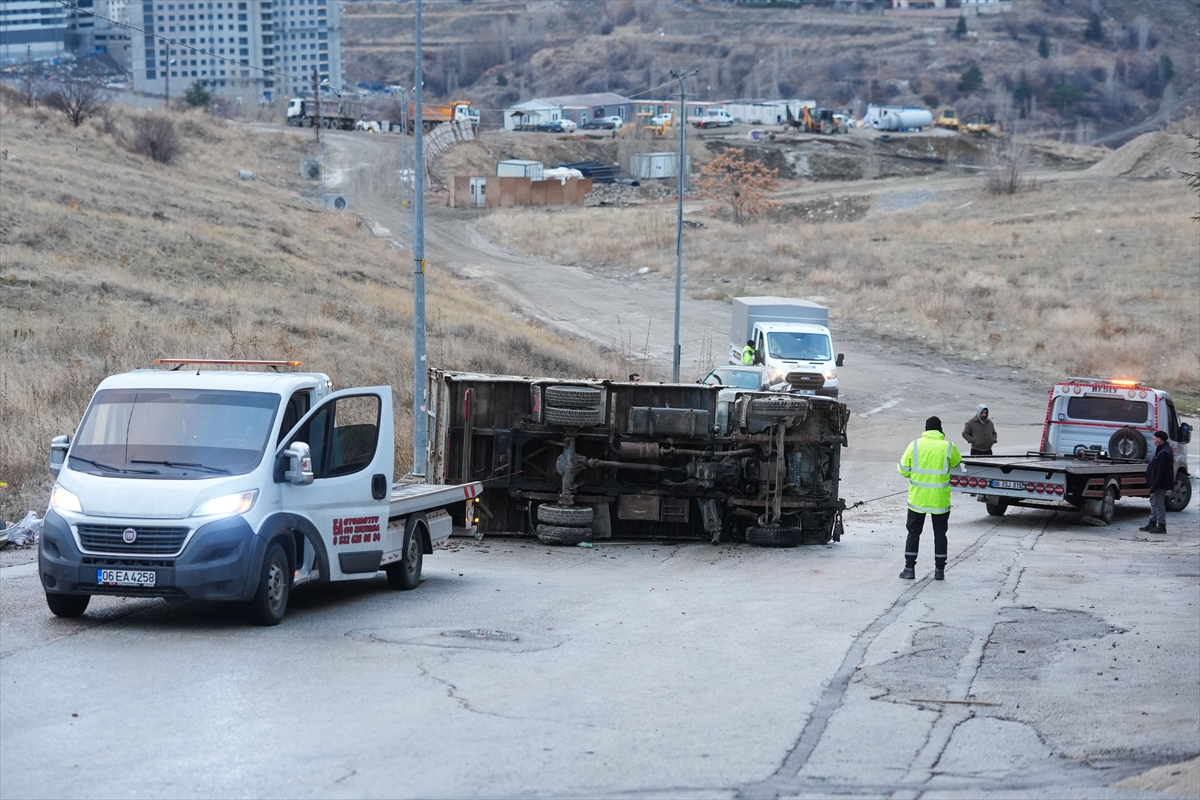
(1123, 382)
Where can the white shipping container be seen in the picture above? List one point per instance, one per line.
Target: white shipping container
(519, 168)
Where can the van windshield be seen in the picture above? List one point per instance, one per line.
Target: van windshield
(798, 346)
(173, 433)
(1108, 409)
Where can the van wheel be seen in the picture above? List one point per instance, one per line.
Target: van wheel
(1181, 493)
(1108, 505)
(406, 574)
(68, 605)
(1127, 443)
(997, 508)
(274, 585)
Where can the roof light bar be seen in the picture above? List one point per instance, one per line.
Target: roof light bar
(1124, 382)
(226, 361)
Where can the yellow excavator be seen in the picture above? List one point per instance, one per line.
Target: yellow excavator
(948, 119)
(982, 126)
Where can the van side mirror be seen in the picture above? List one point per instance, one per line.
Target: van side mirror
(58, 452)
(1185, 433)
(841, 359)
(299, 464)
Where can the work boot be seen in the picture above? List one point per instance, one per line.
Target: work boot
(1159, 528)
(1149, 526)
(909, 574)
(939, 575)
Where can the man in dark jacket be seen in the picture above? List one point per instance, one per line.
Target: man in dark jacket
(980, 432)
(1160, 478)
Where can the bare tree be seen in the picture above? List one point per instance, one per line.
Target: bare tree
(1008, 165)
(77, 100)
(155, 136)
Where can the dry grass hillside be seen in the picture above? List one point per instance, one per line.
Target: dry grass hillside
(842, 53)
(1092, 276)
(108, 260)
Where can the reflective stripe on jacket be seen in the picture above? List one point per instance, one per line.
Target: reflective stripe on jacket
(748, 355)
(927, 463)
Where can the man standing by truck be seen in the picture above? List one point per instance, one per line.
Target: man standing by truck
(926, 464)
(1160, 479)
(980, 432)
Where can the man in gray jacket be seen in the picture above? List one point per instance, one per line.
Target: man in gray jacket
(979, 432)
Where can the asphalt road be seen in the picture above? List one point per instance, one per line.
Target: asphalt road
(1073, 651)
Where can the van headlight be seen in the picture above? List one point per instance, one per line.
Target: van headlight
(63, 500)
(830, 373)
(227, 505)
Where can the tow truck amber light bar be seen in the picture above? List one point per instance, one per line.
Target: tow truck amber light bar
(226, 362)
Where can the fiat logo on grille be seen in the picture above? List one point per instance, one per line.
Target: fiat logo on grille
(129, 535)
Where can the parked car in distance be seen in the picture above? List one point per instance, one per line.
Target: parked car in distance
(662, 119)
(568, 125)
(597, 125)
(753, 378)
(554, 126)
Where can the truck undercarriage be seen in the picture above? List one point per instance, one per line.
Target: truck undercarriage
(588, 460)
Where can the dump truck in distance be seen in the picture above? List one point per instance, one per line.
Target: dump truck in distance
(338, 112)
(576, 461)
(432, 115)
(791, 338)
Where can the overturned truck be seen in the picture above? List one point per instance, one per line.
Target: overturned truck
(577, 461)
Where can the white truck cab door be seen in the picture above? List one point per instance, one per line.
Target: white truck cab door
(350, 434)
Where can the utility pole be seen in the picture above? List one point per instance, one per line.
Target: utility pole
(167, 75)
(29, 75)
(420, 403)
(675, 353)
(317, 107)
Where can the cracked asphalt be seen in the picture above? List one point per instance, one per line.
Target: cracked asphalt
(1057, 659)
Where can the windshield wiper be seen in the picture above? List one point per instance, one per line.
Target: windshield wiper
(111, 468)
(178, 464)
(108, 467)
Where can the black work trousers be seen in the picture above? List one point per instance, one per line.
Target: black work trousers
(915, 524)
(975, 452)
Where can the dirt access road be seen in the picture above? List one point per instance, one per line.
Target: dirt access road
(1055, 660)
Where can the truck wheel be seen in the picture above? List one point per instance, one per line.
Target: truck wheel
(997, 508)
(574, 417)
(274, 586)
(778, 407)
(406, 573)
(571, 516)
(1181, 493)
(67, 605)
(1108, 505)
(560, 534)
(573, 397)
(779, 536)
(1127, 443)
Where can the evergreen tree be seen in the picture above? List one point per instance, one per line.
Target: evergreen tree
(971, 80)
(196, 95)
(1044, 46)
(1094, 32)
(960, 30)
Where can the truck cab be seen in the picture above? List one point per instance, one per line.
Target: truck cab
(1115, 418)
(231, 485)
(791, 339)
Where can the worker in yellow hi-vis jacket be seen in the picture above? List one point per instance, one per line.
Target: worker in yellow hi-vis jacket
(927, 463)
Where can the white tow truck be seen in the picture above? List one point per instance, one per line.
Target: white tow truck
(235, 484)
(1096, 440)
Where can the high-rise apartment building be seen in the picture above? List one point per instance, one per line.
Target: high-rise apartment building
(256, 50)
(31, 26)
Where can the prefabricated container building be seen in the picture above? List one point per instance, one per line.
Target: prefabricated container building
(519, 168)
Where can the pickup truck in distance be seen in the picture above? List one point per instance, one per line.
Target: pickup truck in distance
(234, 485)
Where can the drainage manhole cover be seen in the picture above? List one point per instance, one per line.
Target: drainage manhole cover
(484, 633)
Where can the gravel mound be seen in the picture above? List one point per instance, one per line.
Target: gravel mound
(1151, 155)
